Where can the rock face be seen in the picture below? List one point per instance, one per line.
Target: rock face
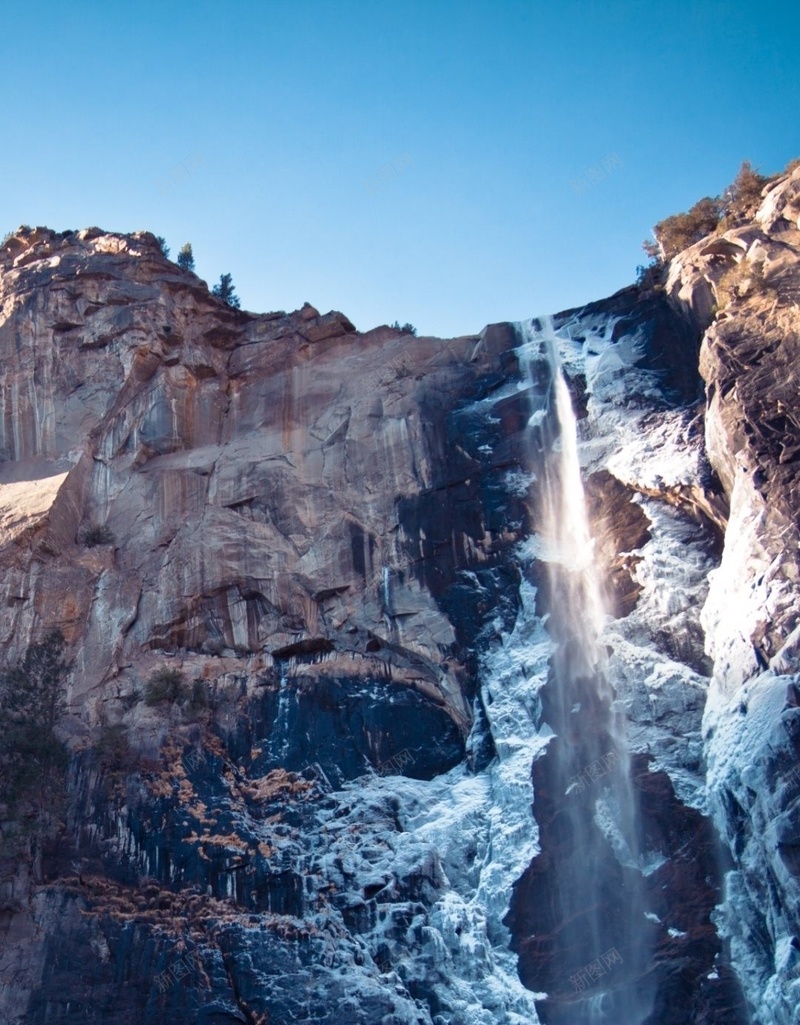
(749, 360)
(324, 533)
(248, 468)
(311, 526)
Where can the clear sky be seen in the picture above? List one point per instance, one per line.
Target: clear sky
(411, 161)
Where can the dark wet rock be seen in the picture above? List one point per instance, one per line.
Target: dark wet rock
(619, 528)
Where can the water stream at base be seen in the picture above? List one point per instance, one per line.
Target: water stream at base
(592, 953)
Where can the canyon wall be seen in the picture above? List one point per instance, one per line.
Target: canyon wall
(326, 536)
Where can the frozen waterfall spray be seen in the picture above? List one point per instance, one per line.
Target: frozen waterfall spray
(592, 953)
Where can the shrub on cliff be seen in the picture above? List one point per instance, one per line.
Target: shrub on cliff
(11, 234)
(164, 684)
(162, 245)
(198, 701)
(186, 257)
(742, 196)
(32, 759)
(224, 291)
(96, 534)
(675, 233)
(406, 329)
(651, 275)
(742, 281)
(113, 749)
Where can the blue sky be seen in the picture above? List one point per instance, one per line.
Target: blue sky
(411, 161)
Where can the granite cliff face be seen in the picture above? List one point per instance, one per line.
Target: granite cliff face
(326, 532)
(749, 360)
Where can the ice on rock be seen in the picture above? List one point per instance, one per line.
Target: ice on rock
(471, 836)
(738, 594)
(664, 455)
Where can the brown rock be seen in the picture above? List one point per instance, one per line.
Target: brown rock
(250, 483)
(331, 325)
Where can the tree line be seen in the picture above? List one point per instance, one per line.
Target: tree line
(223, 290)
(737, 203)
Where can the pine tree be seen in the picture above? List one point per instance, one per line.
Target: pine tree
(162, 245)
(224, 291)
(406, 329)
(186, 257)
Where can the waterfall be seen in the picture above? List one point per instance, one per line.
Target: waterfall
(592, 941)
(280, 729)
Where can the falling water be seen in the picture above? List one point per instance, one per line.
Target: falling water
(386, 595)
(280, 730)
(592, 938)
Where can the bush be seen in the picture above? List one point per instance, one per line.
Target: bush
(162, 245)
(742, 196)
(11, 234)
(165, 685)
(676, 233)
(651, 275)
(96, 534)
(199, 696)
(741, 282)
(113, 749)
(652, 249)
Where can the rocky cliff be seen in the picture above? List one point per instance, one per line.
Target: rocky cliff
(323, 539)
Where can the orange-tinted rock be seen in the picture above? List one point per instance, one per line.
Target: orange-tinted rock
(250, 480)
